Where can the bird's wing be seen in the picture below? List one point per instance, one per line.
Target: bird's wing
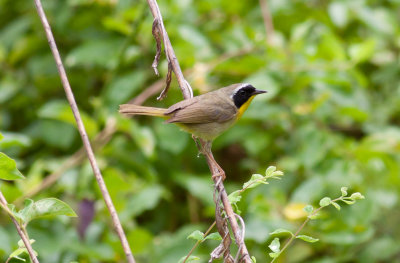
(181, 105)
(205, 111)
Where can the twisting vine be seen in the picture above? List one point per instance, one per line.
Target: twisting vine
(225, 212)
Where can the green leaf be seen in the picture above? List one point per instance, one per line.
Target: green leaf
(22, 249)
(253, 259)
(336, 205)
(8, 168)
(213, 236)
(349, 202)
(355, 113)
(170, 138)
(49, 131)
(18, 252)
(197, 186)
(325, 201)
(255, 180)
(362, 51)
(14, 30)
(196, 235)
(12, 139)
(344, 191)
(338, 12)
(274, 254)
(378, 19)
(199, 41)
(313, 216)
(276, 174)
(22, 244)
(269, 171)
(234, 197)
(61, 111)
(23, 214)
(308, 209)
(117, 24)
(357, 196)
(275, 245)
(1, 136)
(144, 137)
(122, 88)
(15, 213)
(146, 199)
(146, 239)
(281, 231)
(45, 208)
(95, 53)
(190, 259)
(307, 238)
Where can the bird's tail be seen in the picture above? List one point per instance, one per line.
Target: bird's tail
(132, 109)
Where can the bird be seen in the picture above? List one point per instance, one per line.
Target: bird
(205, 116)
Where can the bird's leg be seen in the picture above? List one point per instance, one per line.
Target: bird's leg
(196, 140)
(217, 171)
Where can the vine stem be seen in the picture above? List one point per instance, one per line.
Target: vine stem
(215, 169)
(21, 231)
(198, 242)
(302, 226)
(70, 97)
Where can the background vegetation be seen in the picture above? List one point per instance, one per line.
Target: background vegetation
(331, 119)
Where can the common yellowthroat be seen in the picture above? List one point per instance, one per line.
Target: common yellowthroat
(205, 116)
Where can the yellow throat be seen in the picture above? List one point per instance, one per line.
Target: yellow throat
(244, 107)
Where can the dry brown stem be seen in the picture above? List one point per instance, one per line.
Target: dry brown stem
(169, 51)
(216, 172)
(70, 97)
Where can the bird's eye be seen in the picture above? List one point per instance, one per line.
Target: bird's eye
(242, 92)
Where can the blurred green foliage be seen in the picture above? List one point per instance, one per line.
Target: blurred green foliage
(331, 119)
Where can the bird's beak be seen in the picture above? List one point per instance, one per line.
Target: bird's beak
(257, 91)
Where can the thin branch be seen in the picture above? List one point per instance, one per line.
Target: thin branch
(20, 231)
(148, 92)
(217, 173)
(70, 96)
(268, 23)
(314, 213)
(216, 170)
(223, 250)
(237, 233)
